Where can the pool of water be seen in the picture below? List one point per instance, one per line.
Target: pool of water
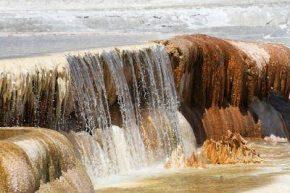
(272, 175)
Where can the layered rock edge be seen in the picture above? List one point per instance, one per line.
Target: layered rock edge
(42, 160)
(218, 82)
(222, 85)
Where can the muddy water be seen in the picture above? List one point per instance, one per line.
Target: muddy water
(273, 175)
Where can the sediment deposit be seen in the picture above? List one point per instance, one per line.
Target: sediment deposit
(210, 75)
(214, 75)
(232, 149)
(129, 107)
(33, 158)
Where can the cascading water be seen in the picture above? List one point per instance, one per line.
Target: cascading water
(124, 98)
(147, 102)
(159, 94)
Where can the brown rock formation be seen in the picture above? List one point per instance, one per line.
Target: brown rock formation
(33, 91)
(232, 149)
(211, 75)
(215, 73)
(227, 72)
(30, 157)
(218, 121)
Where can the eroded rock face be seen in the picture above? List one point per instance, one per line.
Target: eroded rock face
(33, 90)
(30, 157)
(212, 75)
(73, 181)
(227, 72)
(232, 149)
(208, 72)
(218, 121)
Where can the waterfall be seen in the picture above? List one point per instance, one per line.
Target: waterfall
(120, 105)
(147, 102)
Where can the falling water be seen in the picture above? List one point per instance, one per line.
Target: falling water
(159, 93)
(147, 102)
(86, 91)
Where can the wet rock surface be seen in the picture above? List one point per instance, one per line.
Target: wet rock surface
(96, 90)
(272, 175)
(33, 91)
(218, 79)
(218, 121)
(231, 150)
(33, 158)
(227, 72)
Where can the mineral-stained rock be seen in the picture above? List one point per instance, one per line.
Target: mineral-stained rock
(224, 71)
(30, 157)
(218, 121)
(212, 74)
(33, 90)
(232, 149)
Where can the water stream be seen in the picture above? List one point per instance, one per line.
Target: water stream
(147, 103)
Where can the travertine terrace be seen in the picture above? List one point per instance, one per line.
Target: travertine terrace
(216, 77)
(122, 109)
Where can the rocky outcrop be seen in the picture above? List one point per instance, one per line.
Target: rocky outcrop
(212, 75)
(34, 159)
(227, 72)
(232, 149)
(132, 87)
(33, 91)
(41, 90)
(218, 121)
